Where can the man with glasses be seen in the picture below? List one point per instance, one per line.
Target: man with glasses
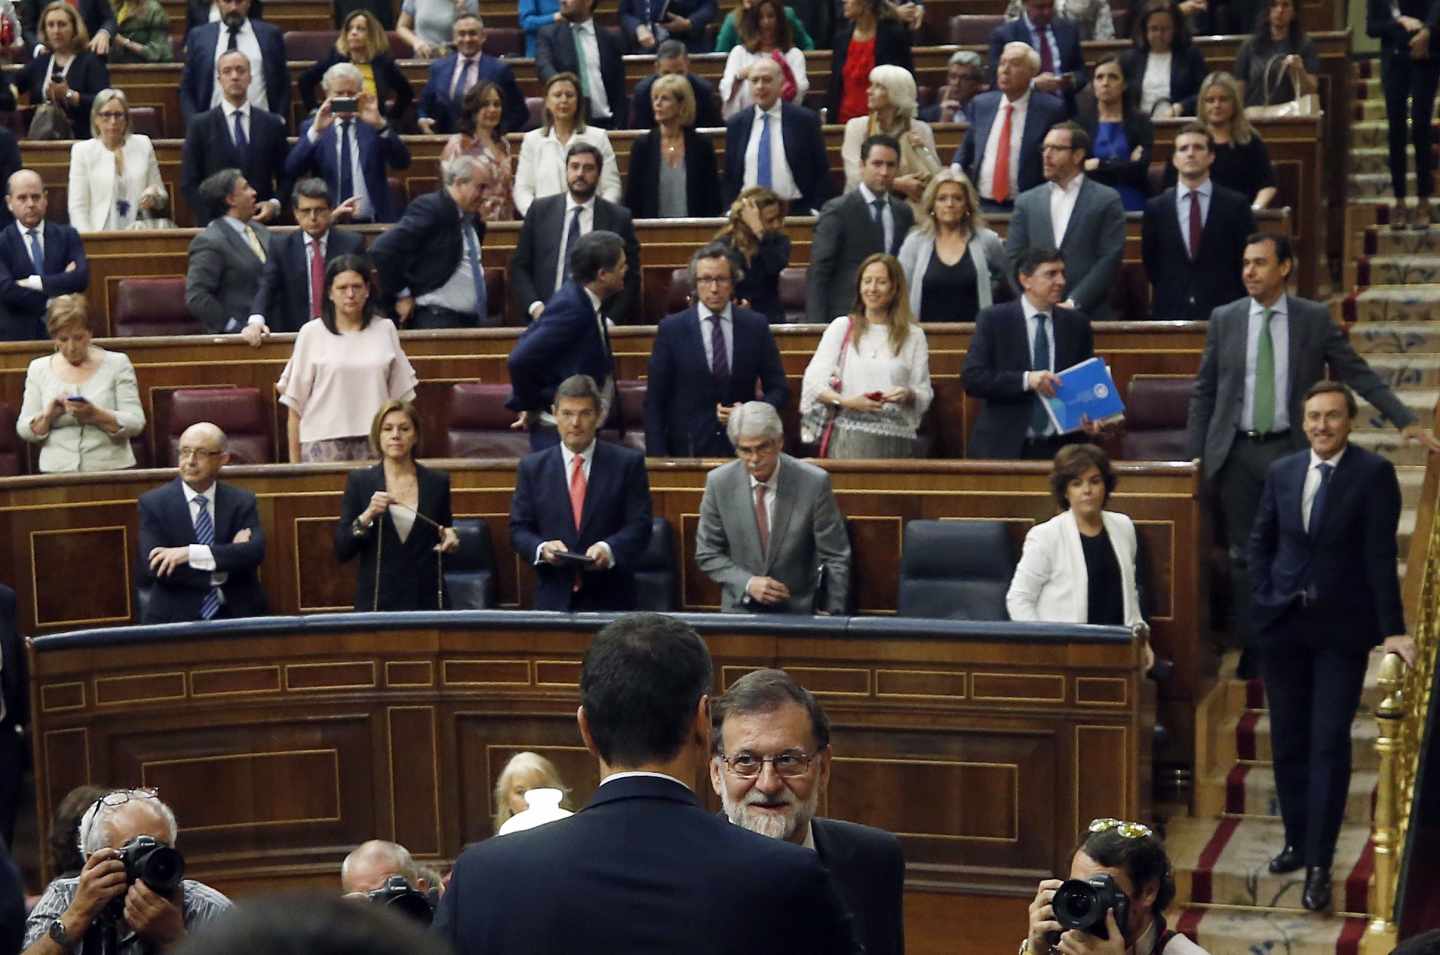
(770, 533)
(201, 542)
(771, 759)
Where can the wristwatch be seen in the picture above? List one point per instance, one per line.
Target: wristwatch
(59, 936)
(359, 529)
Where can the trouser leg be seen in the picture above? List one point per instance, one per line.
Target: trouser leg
(1338, 677)
(1424, 78)
(1395, 73)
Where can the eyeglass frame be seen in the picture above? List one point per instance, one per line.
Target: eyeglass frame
(806, 759)
(184, 453)
(109, 799)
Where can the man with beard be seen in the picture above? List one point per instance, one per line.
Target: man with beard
(771, 759)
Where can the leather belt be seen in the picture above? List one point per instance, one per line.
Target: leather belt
(1264, 436)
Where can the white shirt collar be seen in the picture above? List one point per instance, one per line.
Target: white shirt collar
(1072, 187)
(191, 494)
(1278, 308)
(571, 205)
(704, 312)
(809, 842)
(870, 197)
(1031, 311)
(595, 302)
(588, 455)
(1316, 460)
(1019, 103)
(634, 774)
(243, 109)
(1205, 188)
(773, 112)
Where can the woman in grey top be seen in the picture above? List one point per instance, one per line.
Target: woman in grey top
(426, 24)
(951, 260)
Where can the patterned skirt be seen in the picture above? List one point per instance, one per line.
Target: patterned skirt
(330, 450)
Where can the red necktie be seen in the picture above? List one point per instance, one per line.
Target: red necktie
(762, 520)
(1195, 225)
(1000, 186)
(577, 489)
(317, 279)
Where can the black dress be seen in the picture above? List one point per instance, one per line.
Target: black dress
(1102, 570)
(410, 570)
(950, 293)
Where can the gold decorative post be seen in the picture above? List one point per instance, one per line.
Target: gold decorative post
(1380, 934)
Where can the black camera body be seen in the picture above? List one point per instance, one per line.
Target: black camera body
(398, 894)
(1082, 904)
(151, 861)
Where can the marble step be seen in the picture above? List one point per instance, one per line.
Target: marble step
(1392, 303)
(1246, 737)
(1253, 932)
(1386, 241)
(1376, 185)
(1403, 269)
(1411, 370)
(1376, 159)
(1373, 339)
(1412, 482)
(1246, 790)
(1388, 443)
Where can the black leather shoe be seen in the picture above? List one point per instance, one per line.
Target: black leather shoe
(1289, 860)
(1317, 888)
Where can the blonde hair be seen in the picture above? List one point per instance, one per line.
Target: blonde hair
(375, 41)
(899, 85)
(66, 310)
(1241, 132)
(736, 231)
(526, 762)
(900, 316)
(103, 97)
(975, 221)
(82, 35)
(678, 87)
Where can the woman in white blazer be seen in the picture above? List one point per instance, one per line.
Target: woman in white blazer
(110, 173)
(541, 169)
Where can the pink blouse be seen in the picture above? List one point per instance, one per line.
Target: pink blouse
(338, 382)
(497, 183)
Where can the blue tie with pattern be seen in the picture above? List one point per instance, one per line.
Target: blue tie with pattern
(763, 175)
(205, 534)
(477, 274)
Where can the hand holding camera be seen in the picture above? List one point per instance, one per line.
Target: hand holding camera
(102, 879)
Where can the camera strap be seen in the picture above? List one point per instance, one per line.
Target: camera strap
(1163, 935)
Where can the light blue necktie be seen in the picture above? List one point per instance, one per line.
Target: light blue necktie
(763, 176)
(36, 254)
(205, 535)
(476, 273)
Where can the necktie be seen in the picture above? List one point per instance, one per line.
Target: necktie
(477, 274)
(1039, 419)
(35, 253)
(1263, 417)
(347, 175)
(1195, 224)
(234, 42)
(763, 175)
(719, 361)
(1000, 186)
(572, 239)
(1047, 62)
(879, 206)
(317, 279)
(241, 143)
(205, 535)
(581, 62)
(467, 79)
(577, 489)
(254, 242)
(1317, 506)
(762, 519)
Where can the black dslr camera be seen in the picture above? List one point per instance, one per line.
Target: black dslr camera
(1082, 904)
(397, 893)
(153, 862)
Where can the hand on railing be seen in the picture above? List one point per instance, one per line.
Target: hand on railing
(1402, 646)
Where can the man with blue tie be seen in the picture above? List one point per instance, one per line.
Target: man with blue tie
(777, 145)
(451, 77)
(39, 260)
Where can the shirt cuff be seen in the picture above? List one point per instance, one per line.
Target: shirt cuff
(610, 554)
(538, 559)
(201, 557)
(531, 309)
(311, 135)
(256, 319)
(1025, 381)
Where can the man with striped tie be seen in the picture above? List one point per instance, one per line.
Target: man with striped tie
(201, 541)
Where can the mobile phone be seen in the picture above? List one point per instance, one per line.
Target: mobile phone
(78, 399)
(57, 75)
(345, 104)
(875, 395)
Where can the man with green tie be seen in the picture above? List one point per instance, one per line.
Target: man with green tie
(575, 43)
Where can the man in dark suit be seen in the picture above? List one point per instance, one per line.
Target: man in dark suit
(867, 220)
(235, 135)
(672, 59)
(262, 45)
(292, 284)
(351, 149)
(228, 257)
(431, 274)
(1055, 40)
(581, 497)
(602, 82)
(201, 541)
(1326, 591)
(643, 867)
(452, 76)
(39, 260)
(771, 743)
(552, 227)
(795, 164)
(1001, 162)
(570, 337)
(684, 20)
(1192, 237)
(706, 360)
(1017, 348)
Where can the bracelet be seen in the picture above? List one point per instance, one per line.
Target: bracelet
(360, 529)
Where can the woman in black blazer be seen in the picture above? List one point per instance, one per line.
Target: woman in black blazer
(84, 73)
(684, 181)
(1161, 29)
(396, 516)
(362, 42)
(872, 28)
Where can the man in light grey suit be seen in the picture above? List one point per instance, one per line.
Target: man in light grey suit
(228, 257)
(1082, 218)
(769, 525)
(1246, 409)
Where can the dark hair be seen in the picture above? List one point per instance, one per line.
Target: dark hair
(353, 262)
(1143, 858)
(1074, 460)
(640, 684)
(66, 859)
(1332, 388)
(750, 26)
(1182, 29)
(1284, 251)
(1426, 943)
(670, 49)
(1196, 128)
(215, 191)
(1036, 256)
(765, 691)
(312, 923)
(1129, 100)
(1079, 139)
(582, 148)
(473, 100)
(717, 250)
(595, 251)
(580, 386)
(1295, 37)
(582, 102)
(311, 187)
(879, 139)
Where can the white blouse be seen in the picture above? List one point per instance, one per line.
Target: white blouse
(871, 365)
(70, 445)
(1155, 85)
(735, 92)
(541, 169)
(336, 383)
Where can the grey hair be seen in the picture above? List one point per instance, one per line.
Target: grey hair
(462, 168)
(967, 57)
(716, 250)
(342, 71)
(1031, 57)
(94, 828)
(755, 419)
(394, 853)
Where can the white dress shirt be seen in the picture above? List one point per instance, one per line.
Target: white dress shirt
(1312, 483)
(249, 44)
(887, 215)
(782, 180)
(1182, 208)
(587, 223)
(1280, 340)
(1062, 205)
(992, 145)
(585, 36)
(707, 334)
(201, 557)
(1032, 324)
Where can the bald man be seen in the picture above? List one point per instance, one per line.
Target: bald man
(39, 260)
(201, 542)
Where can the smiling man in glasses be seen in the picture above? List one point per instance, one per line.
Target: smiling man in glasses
(771, 760)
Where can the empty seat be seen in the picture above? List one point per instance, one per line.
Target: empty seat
(504, 41)
(152, 306)
(309, 44)
(535, 106)
(970, 29)
(146, 120)
(470, 571)
(655, 580)
(678, 298)
(480, 423)
(495, 295)
(632, 413)
(239, 412)
(12, 449)
(1156, 408)
(956, 570)
(792, 293)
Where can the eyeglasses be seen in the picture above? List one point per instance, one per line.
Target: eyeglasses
(1130, 830)
(713, 280)
(1049, 148)
(748, 765)
(111, 115)
(198, 453)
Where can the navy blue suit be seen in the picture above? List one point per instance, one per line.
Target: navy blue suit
(1067, 42)
(637, 13)
(377, 153)
(284, 293)
(23, 309)
(197, 81)
(1043, 112)
(1322, 599)
(616, 511)
(565, 340)
(681, 393)
(804, 154)
(436, 104)
(210, 147)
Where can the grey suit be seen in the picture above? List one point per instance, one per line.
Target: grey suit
(1093, 247)
(808, 531)
(845, 234)
(223, 275)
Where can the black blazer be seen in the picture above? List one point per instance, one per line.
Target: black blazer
(410, 571)
(9, 164)
(642, 868)
(868, 866)
(892, 48)
(284, 293)
(87, 76)
(1139, 131)
(702, 177)
(681, 393)
(537, 255)
(391, 87)
(555, 53)
(707, 104)
(422, 250)
(166, 520)
(209, 148)
(1067, 42)
(1182, 289)
(845, 234)
(1187, 72)
(197, 13)
(995, 369)
(804, 154)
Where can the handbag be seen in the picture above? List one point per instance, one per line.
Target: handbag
(1306, 104)
(50, 123)
(817, 424)
(788, 86)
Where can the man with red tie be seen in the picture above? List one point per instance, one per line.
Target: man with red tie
(581, 510)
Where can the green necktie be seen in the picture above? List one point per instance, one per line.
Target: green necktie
(582, 64)
(1264, 417)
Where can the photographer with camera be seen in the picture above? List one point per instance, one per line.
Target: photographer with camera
(385, 873)
(130, 897)
(1114, 901)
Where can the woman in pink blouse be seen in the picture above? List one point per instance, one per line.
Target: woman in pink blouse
(480, 137)
(346, 364)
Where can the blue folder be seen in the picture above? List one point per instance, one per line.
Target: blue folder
(1086, 391)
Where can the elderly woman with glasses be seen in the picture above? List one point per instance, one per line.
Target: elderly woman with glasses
(115, 174)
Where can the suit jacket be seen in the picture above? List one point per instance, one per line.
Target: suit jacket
(681, 393)
(197, 13)
(565, 340)
(1346, 563)
(892, 47)
(392, 89)
(1316, 343)
(423, 249)
(616, 511)
(1043, 112)
(701, 13)
(284, 293)
(409, 573)
(806, 534)
(91, 195)
(197, 80)
(1052, 580)
(223, 276)
(702, 177)
(1186, 289)
(644, 869)
(1139, 131)
(995, 369)
(1067, 42)
(868, 866)
(845, 234)
(555, 53)
(537, 255)
(87, 76)
(804, 154)
(707, 104)
(209, 148)
(436, 104)
(1093, 246)
(23, 316)
(167, 520)
(1187, 72)
(378, 152)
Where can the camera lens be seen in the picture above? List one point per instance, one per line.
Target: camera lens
(162, 869)
(1076, 905)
